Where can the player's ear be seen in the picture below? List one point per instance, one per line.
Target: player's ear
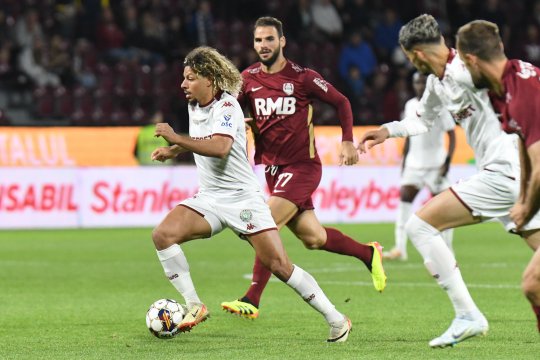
(282, 41)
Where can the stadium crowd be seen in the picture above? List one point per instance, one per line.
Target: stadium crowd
(117, 62)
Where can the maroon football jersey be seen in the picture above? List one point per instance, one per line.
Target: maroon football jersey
(519, 107)
(280, 103)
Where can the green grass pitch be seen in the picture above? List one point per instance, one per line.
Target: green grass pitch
(83, 294)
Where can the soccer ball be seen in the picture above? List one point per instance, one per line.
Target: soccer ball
(163, 317)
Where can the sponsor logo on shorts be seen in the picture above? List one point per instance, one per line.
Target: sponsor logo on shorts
(250, 226)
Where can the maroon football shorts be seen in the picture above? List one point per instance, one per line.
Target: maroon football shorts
(295, 182)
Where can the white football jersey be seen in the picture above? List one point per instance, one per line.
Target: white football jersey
(234, 173)
(470, 107)
(427, 150)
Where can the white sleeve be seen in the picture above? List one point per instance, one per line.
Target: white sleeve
(427, 111)
(447, 121)
(226, 118)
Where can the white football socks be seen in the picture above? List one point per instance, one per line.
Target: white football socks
(448, 237)
(404, 213)
(441, 263)
(176, 268)
(306, 286)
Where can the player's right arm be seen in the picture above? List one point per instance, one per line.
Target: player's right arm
(427, 111)
(167, 152)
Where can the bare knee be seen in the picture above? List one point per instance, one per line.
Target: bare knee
(531, 287)
(280, 267)
(312, 241)
(163, 238)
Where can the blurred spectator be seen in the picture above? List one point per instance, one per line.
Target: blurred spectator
(387, 34)
(177, 40)
(201, 26)
(529, 47)
(84, 63)
(356, 16)
(60, 61)
(110, 38)
(146, 142)
(33, 62)
(28, 29)
(299, 23)
(149, 41)
(354, 88)
(327, 19)
(358, 53)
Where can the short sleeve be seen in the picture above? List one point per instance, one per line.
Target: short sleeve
(226, 118)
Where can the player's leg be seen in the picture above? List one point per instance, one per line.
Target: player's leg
(407, 195)
(445, 211)
(269, 249)
(307, 228)
(248, 305)
(531, 276)
(437, 184)
(180, 225)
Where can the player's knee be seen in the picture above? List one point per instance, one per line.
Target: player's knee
(531, 286)
(278, 267)
(163, 239)
(312, 242)
(416, 228)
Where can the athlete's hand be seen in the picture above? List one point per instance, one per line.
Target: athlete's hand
(163, 153)
(165, 131)
(348, 155)
(519, 215)
(375, 137)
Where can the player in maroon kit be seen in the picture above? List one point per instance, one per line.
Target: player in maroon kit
(278, 94)
(514, 89)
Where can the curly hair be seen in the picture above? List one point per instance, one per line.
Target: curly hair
(209, 63)
(420, 30)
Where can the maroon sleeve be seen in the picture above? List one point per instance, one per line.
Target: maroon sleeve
(527, 109)
(321, 89)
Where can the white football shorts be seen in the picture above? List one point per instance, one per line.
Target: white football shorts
(244, 214)
(491, 195)
(421, 178)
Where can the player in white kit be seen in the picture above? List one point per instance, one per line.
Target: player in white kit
(425, 164)
(488, 194)
(229, 193)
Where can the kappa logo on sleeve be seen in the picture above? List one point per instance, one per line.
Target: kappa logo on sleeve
(227, 104)
(321, 83)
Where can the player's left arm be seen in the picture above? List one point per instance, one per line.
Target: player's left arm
(526, 111)
(529, 200)
(326, 92)
(216, 146)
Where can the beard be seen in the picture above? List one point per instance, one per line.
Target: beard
(272, 59)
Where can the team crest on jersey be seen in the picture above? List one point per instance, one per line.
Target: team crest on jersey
(288, 88)
(246, 215)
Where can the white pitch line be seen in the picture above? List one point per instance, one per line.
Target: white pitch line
(394, 284)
